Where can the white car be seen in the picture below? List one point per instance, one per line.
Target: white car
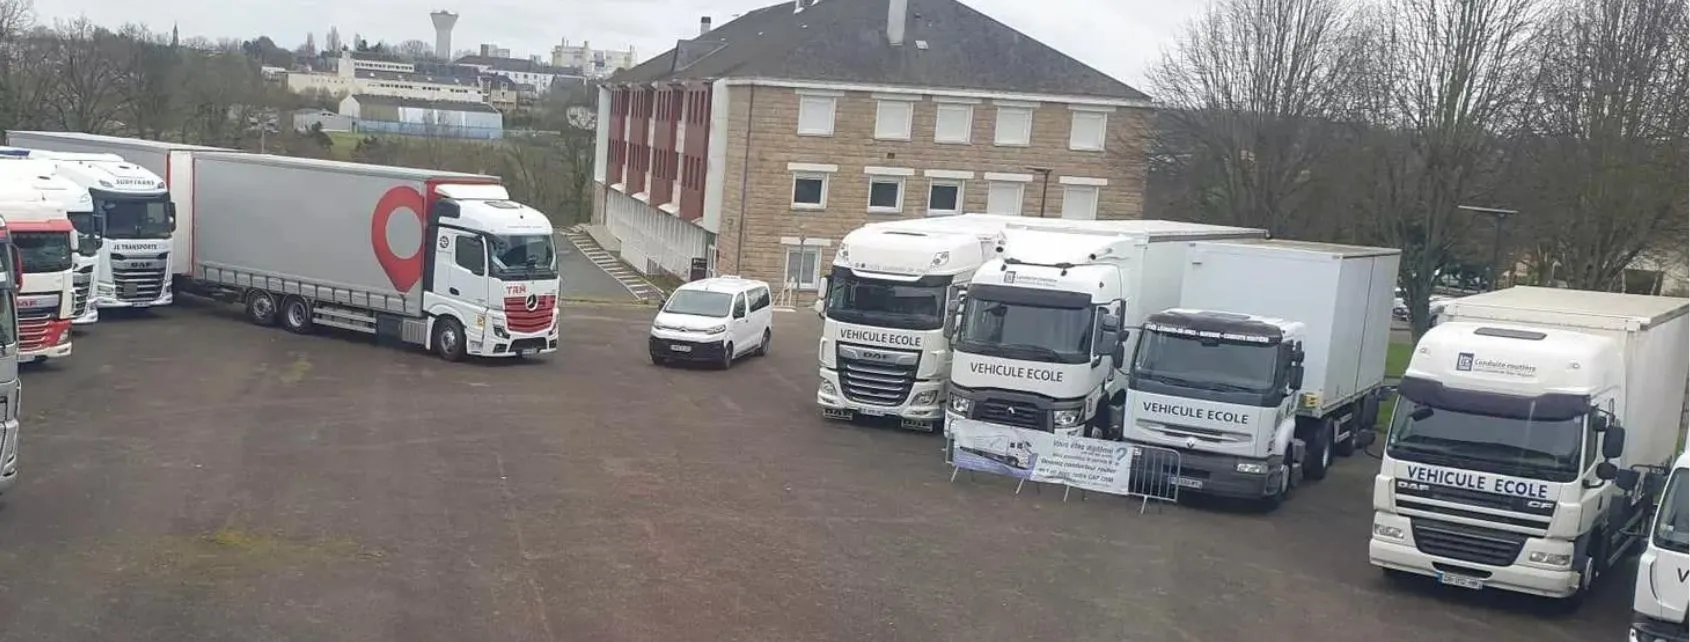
(715, 320)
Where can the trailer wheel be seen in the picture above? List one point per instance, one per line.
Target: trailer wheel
(449, 339)
(261, 308)
(296, 315)
(1319, 453)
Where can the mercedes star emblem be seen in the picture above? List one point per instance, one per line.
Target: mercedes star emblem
(533, 303)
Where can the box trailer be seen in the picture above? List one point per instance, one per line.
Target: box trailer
(438, 259)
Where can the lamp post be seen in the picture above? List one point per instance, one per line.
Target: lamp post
(1499, 216)
(1044, 186)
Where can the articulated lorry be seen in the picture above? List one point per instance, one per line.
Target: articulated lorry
(1660, 598)
(437, 259)
(79, 208)
(45, 242)
(887, 307)
(1523, 417)
(11, 389)
(1272, 364)
(1050, 321)
(142, 192)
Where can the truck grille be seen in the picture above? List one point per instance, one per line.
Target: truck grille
(138, 284)
(1466, 543)
(82, 282)
(1010, 413)
(518, 318)
(875, 382)
(33, 326)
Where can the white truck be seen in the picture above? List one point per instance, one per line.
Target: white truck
(1516, 416)
(143, 191)
(887, 307)
(79, 207)
(1049, 323)
(11, 389)
(438, 259)
(42, 236)
(1272, 364)
(1659, 598)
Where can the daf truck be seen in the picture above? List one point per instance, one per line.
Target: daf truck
(887, 307)
(1659, 597)
(79, 207)
(1270, 367)
(45, 241)
(11, 389)
(1516, 416)
(143, 189)
(1050, 321)
(442, 260)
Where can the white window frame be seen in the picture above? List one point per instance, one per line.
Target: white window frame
(886, 113)
(827, 101)
(797, 176)
(788, 250)
(1081, 113)
(1020, 195)
(1071, 184)
(961, 186)
(1006, 133)
(953, 106)
(898, 207)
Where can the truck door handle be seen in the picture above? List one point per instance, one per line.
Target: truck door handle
(452, 290)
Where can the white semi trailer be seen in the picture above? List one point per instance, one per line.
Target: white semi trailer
(1520, 427)
(438, 259)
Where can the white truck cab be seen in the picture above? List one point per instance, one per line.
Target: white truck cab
(79, 207)
(714, 320)
(1660, 598)
(887, 308)
(45, 241)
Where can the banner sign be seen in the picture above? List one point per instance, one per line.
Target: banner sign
(1033, 455)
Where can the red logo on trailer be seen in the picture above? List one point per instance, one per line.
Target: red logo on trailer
(404, 271)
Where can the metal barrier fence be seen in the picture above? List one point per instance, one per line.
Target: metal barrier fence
(1154, 476)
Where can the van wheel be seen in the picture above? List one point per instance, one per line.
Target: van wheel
(1318, 457)
(449, 339)
(763, 348)
(261, 308)
(296, 315)
(727, 357)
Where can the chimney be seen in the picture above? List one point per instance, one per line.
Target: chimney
(704, 25)
(897, 14)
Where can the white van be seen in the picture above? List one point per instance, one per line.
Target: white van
(713, 320)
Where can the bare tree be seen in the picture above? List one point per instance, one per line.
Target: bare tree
(414, 50)
(89, 96)
(150, 81)
(1254, 88)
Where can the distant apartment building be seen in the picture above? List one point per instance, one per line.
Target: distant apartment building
(373, 74)
(593, 63)
(759, 144)
(533, 73)
(494, 51)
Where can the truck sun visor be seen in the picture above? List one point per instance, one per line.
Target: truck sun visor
(1545, 407)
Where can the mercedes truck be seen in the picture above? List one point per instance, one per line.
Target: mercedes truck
(45, 241)
(442, 260)
(1520, 427)
(1272, 364)
(887, 307)
(1659, 597)
(143, 189)
(1051, 319)
(79, 207)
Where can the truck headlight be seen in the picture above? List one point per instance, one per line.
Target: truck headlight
(1252, 467)
(1387, 532)
(961, 405)
(1561, 560)
(1065, 418)
(926, 398)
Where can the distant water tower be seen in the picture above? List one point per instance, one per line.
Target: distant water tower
(443, 22)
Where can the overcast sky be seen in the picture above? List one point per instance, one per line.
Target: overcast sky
(1119, 37)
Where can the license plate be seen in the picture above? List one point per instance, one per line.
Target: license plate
(836, 413)
(922, 425)
(527, 351)
(1461, 581)
(680, 348)
(871, 413)
(1187, 482)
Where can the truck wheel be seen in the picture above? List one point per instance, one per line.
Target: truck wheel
(1319, 453)
(449, 339)
(296, 315)
(261, 308)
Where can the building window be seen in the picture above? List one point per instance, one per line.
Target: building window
(953, 124)
(1079, 202)
(1005, 197)
(892, 119)
(885, 194)
(809, 191)
(1087, 131)
(803, 266)
(1014, 127)
(944, 197)
(815, 114)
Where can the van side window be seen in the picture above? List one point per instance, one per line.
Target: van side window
(759, 299)
(471, 255)
(739, 306)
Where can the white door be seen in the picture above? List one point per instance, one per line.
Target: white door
(740, 326)
(467, 277)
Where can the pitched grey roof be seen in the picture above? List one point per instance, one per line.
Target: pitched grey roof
(442, 105)
(845, 41)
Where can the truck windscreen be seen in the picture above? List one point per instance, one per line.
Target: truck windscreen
(129, 218)
(43, 251)
(1207, 364)
(1019, 330)
(904, 305)
(523, 256)
(1672, 525)
(1537, 448)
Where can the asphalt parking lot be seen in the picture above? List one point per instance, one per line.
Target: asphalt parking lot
(191, 477)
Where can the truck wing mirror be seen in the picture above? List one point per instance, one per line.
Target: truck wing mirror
(1118, 354)
(1599, 421)
(1613, 442)
(1624, 478)
(1297, 377)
